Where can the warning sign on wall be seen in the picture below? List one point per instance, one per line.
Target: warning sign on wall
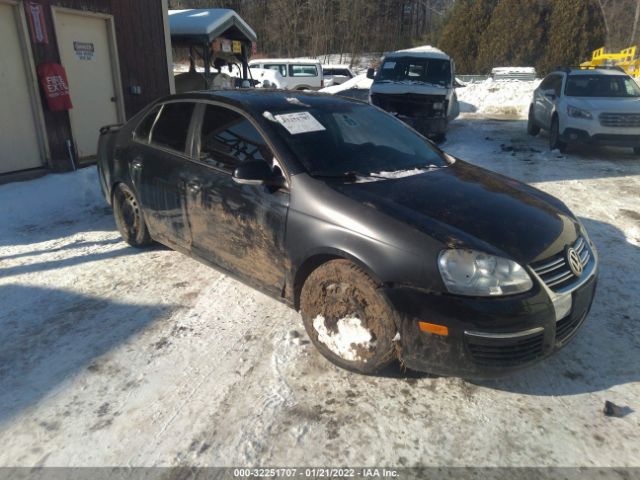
(84, 50)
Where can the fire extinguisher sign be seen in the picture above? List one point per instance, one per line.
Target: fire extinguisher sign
(35, 13)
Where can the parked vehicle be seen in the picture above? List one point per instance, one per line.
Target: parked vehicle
(267, 78)
(336, 74)
(594, 106)
(299, 74)
(389, 247)
(418, 86)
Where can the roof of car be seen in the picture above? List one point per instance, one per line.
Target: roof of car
(259, 100)
(593, 71)
(285, 60)
(426, 51)
(336, 65)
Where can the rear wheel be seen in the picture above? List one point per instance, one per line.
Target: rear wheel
(129, 217)
(532, 128)
(554, 136)
(347, 318)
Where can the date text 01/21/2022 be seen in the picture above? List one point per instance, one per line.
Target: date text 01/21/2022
(315, 472)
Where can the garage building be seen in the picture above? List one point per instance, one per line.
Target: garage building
(115, 54)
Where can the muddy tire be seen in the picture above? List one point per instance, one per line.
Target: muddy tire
(532, 128)
(554, 136)
(129, 217)
(340, 302)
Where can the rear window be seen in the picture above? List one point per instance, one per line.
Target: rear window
(171, 128)
(144, 128)
(303, 70)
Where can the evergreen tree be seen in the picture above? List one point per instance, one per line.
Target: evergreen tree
(462, 31)
(514, 35)
(576, 28)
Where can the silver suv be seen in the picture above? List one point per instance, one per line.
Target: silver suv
(593, 106)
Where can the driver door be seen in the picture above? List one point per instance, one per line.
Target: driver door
(239, 227)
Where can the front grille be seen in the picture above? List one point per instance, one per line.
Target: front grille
(628, 120)
(506, 352)
(410, 104)
(568, 326)
(555, 271)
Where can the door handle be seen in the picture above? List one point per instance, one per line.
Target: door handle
(136, 164)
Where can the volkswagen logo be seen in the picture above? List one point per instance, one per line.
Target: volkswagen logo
(573, 259)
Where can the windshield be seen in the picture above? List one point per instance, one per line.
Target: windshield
(422, 70)
(352, 139)
(601, 86)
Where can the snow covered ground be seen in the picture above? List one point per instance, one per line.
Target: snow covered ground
(508, 99)
(111, 356)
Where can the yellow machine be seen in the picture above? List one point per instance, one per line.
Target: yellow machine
(625, 59)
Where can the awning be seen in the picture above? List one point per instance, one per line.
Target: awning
(206, 24)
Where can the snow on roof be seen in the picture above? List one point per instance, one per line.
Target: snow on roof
(211, 22)
(335, 65)
(424, 51)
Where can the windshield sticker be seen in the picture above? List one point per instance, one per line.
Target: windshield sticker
(389, 65)
(299, 122)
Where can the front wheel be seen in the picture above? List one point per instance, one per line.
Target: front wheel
(554, 136)
(129, 217)
(532, 128)
(347, 318)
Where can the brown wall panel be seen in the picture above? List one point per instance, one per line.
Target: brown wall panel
(142, 58)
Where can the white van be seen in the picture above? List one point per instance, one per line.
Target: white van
(418, 86)
(298, 73)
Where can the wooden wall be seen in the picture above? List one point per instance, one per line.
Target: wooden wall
(142, 57)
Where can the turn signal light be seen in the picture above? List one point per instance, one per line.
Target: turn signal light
(433, 328)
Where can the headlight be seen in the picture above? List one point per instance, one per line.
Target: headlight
(467, 272)
(438, 106)
(576, 112)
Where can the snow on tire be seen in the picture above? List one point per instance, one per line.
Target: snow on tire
(347, 318)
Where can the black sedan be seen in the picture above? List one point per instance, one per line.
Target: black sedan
(389, 248)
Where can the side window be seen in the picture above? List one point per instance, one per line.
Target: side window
(546, 83)
(144, 127)
(170, 130)
(228, 139)
(303, 71)
(278, 67)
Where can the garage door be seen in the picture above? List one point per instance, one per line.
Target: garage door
(19, 141)
(85, 52)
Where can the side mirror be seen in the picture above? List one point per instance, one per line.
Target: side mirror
(371, 73)
(550, 94)
(257, 173)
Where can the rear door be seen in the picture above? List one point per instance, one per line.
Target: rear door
(159, 164)
(239, 227)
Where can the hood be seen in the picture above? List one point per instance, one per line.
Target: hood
(606, 104)
(467, 206)
(407, 86)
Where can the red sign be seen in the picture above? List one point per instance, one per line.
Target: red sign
(35, 12)
(53, 80)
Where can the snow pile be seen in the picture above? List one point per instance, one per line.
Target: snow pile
(58, 196)
(360, 82)
(350, 333)
(510, 99)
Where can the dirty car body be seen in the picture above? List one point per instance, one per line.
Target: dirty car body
(339, 188)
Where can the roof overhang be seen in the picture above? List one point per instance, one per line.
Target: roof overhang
(205, 25)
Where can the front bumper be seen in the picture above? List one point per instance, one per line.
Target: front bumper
(488, 337)
(576, 135)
